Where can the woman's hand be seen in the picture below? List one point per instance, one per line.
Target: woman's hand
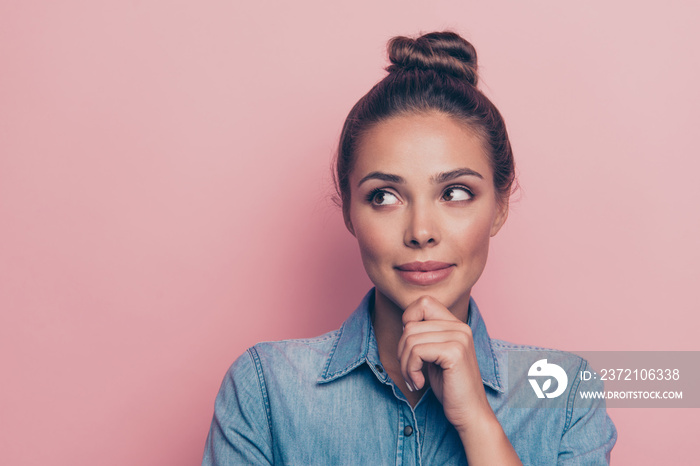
(433, 335)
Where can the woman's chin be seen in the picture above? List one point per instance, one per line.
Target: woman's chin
(404, 298)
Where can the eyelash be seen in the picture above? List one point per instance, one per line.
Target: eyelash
(371, 195)
(463, 188)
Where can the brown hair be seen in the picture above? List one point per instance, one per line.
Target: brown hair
(435, 72)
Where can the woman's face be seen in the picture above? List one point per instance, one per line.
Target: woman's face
(423, 207)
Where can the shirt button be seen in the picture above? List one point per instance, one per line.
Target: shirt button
(379, 368)
(407, 431)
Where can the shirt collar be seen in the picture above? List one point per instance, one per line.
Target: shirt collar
(356, 344)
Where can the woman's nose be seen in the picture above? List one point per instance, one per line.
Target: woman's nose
(422, 229)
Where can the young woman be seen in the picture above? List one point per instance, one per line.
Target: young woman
(424, 172)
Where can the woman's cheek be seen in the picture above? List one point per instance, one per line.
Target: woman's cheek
(474, 242)
(378, 246)
(372, 247)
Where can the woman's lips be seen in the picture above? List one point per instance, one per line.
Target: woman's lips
(424, 273)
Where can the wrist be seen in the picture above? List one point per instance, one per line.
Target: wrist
(484, 425)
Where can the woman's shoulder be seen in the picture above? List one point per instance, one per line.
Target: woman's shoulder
(291, 357)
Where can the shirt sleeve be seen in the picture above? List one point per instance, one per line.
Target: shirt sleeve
(240, 430)
(590, 433)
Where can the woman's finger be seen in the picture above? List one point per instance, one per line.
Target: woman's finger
(445, 349)
(433, 326)
(427, 308)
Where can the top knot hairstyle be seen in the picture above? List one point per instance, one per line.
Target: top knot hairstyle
(444, 52)
(436, 72)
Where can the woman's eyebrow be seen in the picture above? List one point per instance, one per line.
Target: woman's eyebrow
(451, 175)
(383, 177)
(436, 179)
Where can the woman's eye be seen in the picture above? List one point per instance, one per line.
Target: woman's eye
(457, 194)
(384, 198)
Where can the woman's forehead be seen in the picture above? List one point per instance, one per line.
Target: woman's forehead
(420, 145)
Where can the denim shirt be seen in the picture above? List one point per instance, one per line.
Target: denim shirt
(328, 401)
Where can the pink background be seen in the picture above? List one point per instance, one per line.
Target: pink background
(165, 200)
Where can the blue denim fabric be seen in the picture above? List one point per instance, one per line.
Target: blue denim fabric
(327, 401)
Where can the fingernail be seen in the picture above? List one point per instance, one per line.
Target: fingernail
(410, 389)
(415, 388)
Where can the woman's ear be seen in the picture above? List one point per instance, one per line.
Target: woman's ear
(501, 216)
(348, 222)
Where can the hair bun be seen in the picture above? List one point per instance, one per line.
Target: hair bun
(444, 52)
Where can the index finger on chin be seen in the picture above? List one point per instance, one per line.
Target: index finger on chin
(426, 308)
